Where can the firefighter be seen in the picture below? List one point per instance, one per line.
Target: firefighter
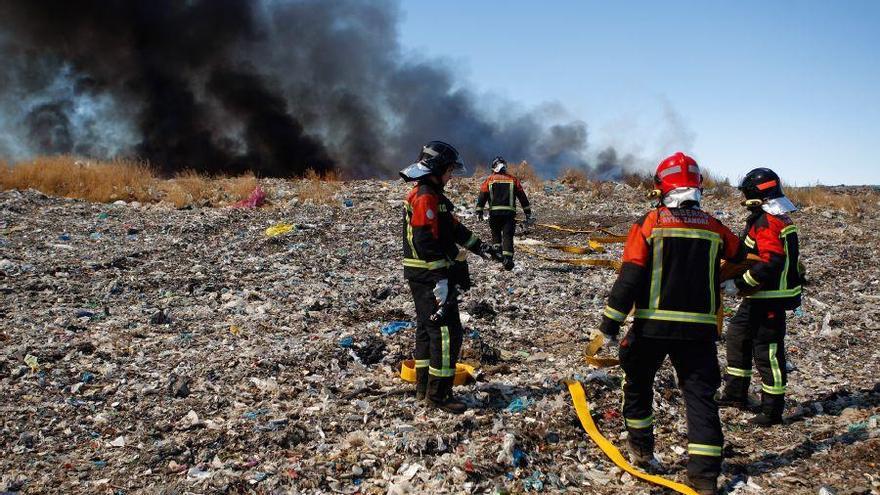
(670, 274)
(773, 285)
(501, 190)
(436, 272)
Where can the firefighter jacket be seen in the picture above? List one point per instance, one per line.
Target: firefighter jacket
(670, 273)
(432, 233)
(501, 191)
(777, 278)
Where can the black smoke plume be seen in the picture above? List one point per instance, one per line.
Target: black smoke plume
(273, 86)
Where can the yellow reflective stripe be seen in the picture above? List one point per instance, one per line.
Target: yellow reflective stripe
(614, 314)
(780, 390)
(739, 372)
(507, 253)
(770, 294)
(443, 373)
(713, 262)
(656, 273)
(703, 449)
(687, 234)
(511, 196)
(683, 316)
(422, 363)
(473, 240)
(409, 231)
(783, 279)
(791, 229)
(428, 265)
(777, 373)
(442, 208)
(749, 242)
(505, 208)
(747, 276)
(444, 340)
(640, 423)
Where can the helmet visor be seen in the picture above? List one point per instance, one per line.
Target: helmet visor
(458, 169)
(415, 172)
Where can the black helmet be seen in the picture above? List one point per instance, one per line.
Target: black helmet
(498, 164)
(761, 184)
(435, 158)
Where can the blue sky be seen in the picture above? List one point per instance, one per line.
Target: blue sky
(794, 86)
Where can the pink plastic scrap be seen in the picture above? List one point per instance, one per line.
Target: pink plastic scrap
(255, 200)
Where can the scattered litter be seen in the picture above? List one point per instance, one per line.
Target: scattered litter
(396, 326)
(279, 228)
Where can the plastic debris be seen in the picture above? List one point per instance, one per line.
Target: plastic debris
(396, 326)
(278, 229)
(255, 200)
(519, 404)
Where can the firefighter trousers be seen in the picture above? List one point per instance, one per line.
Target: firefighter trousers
(696, 366)
(503, 227)
(438, 343)
(757, 331)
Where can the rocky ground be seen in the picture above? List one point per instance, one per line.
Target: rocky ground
(145, 349)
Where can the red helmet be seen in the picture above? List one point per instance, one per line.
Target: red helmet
(679, 170)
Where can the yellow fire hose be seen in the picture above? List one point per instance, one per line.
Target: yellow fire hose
(592, 247)
(599, 362)
(575, 231)
(579, 398)
(574, 261)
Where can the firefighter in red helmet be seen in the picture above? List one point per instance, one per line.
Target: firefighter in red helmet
(773, 285)
(670, 277)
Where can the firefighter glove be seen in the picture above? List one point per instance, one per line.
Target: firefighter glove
(610, 329)
(529, 219)
(441, 291)
(480, 215)
(488, 251)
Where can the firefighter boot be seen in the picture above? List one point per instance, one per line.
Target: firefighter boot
(771, 410)
(439, 395)
(736, 393)
(704, 486)
(641, 448)
(421, 383)
(508, 262)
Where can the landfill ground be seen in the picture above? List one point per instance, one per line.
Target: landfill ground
(145, 349)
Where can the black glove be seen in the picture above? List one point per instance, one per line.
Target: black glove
(480, 215)
(529, 219)
(610, 330)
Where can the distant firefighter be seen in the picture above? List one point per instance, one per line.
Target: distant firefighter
(771, 287)
(501, 190)
(670, 279)
(436, 271)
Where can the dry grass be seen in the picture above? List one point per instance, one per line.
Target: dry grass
(526, 174)
(638, 179)
(577, 179)
(318, 188)
(715, 186)
(821, 196)
(93, 181)
(104, 182)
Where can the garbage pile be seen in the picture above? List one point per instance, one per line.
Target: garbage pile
(146, 349)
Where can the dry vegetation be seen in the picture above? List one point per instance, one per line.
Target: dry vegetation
(821, 196)
(318, 188)
(526, 174)
(105, 182)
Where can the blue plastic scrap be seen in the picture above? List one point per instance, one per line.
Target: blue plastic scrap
(519, 404)
(396, 326)
(346, 342)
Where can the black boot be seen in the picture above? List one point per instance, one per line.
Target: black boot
(641, 452)
(772, 406)
(704, 486)
(421, 383)
(440, 395)
(508, 262)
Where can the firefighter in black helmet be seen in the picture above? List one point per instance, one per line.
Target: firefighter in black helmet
(436, 271)
(771, 287)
